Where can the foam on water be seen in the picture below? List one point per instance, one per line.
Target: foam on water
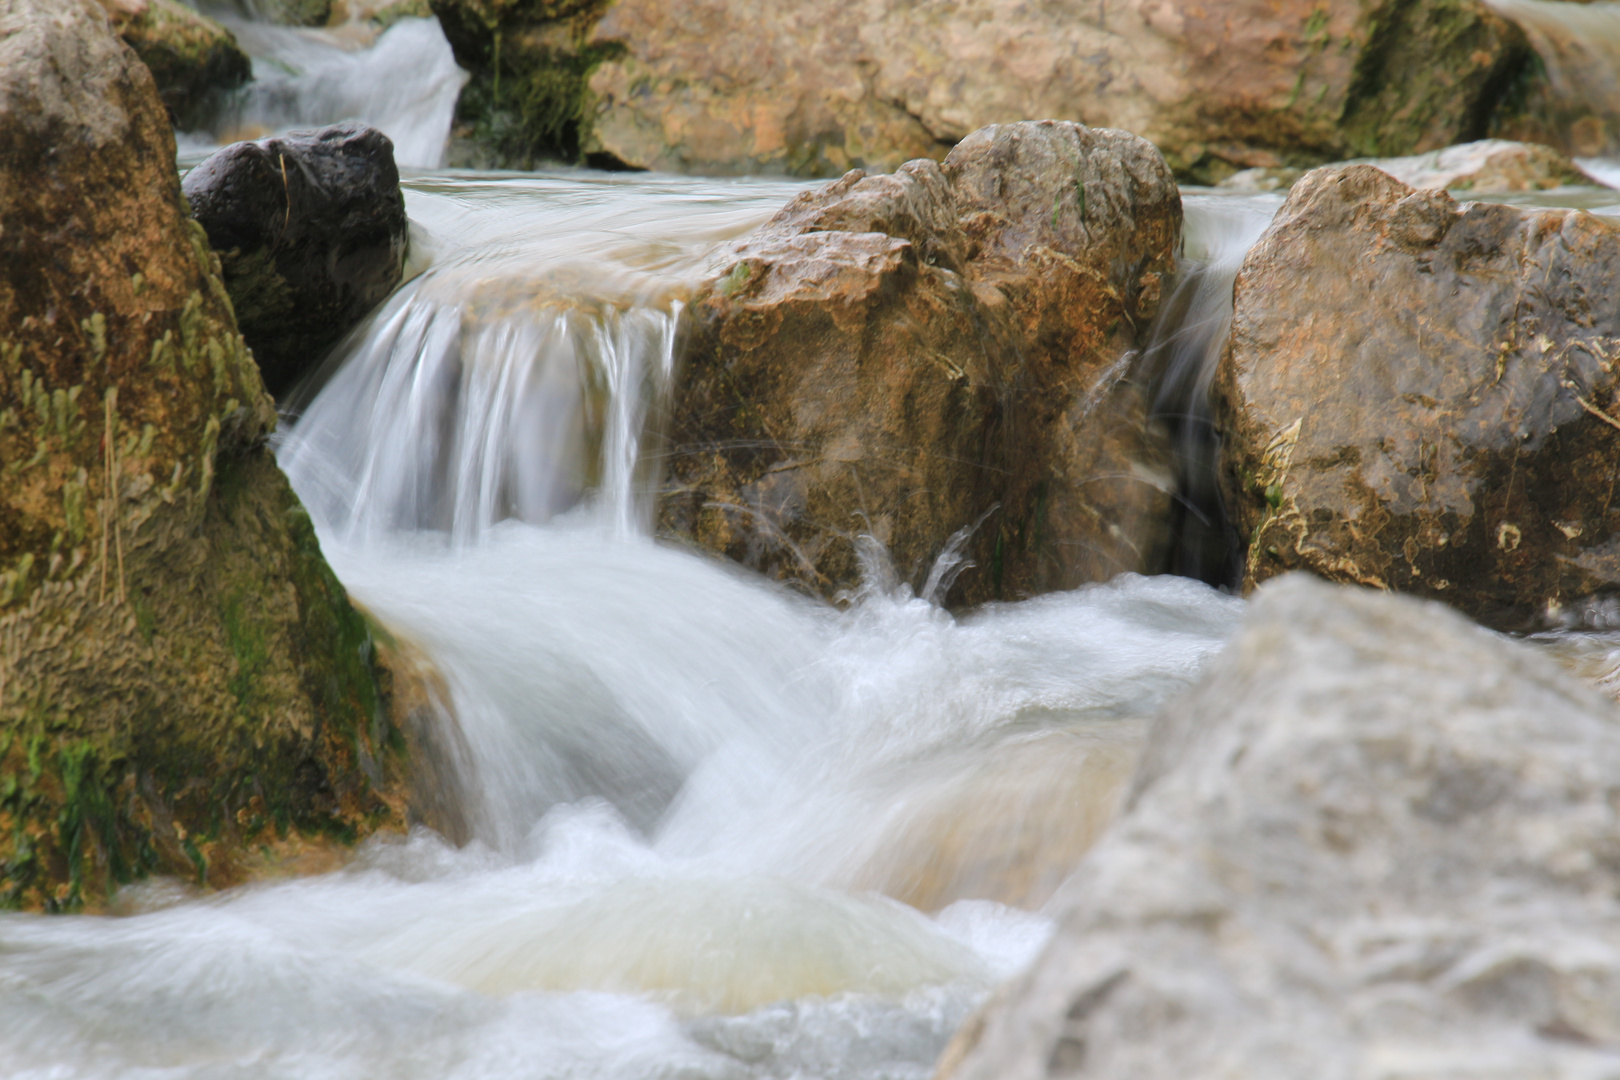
(718, 829)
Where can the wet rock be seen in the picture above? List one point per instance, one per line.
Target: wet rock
(902, 356)
(280, 12)
(1486, 167)
(311, 231)
(1375, 841)
(528, 99)
(192, 58)
(1421, 396)
(182, 679)
(815, 87)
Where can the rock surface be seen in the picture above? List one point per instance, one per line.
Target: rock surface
(901, 356)
(192, 58)
(814, 87)
(311, 231)
(182, 679)
(1486, 167)
(1376, 841)
(1421, 396)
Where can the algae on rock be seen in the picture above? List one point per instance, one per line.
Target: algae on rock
(182, 680)
(192, 58)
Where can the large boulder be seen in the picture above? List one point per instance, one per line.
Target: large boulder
(1421, 396)
(192, 58)
(905, 356)
(182, 680)
(1375, 841)
(311, 231)
(815, 87)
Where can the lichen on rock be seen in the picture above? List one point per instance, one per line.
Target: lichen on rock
(1423, 396)
(182, 679)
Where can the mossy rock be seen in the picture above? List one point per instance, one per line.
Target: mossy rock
(183, 683)
(192, 58)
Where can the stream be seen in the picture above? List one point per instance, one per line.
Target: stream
(715, 829)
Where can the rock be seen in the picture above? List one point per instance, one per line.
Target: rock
(1486, 167)
(900, 356)
(1375, 841)
(182, 680)
(280, 12)
(527, 100)
(192, 58)
(1569, 96)
(814, 87)
(1259, 179)
(1421, 396)
(310, 228)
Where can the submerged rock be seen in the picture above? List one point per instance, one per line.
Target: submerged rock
(1375, 841)
(311, 231)
(903, 356)
(191, 57)
(1422, 396)
(182, 680)
(1486, 167)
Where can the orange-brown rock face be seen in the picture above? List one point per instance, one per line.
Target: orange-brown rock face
(813, 87)
(901, 356)
(1421, 396)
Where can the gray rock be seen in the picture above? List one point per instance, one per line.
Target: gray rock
(1375, 841)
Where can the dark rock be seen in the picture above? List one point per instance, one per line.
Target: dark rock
(192, 58)
(1422, 396)
(902, 356)
(1375, 840)
(310, 228)
(183, 682)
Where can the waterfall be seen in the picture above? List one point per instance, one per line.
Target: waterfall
(1184, 345)
(1578, 47)
(402, 80)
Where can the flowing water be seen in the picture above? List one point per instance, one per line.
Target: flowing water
(716, 829)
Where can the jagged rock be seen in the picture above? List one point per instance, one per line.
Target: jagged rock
(1421, 396)
(1486, 167)
(1376, 841)
(192, 58)
(182, 680)
(813, 87)
(311, 230)
(899, 356)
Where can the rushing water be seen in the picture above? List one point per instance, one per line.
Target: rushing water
(717, 829)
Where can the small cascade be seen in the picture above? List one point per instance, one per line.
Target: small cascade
(1578, 46)
(402, 80)
(1184, 347)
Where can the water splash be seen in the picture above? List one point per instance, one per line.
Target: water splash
(402, 81)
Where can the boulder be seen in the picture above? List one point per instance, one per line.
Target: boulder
(904, 356)
(279, 12)
(192, 58)
(182, 680)
(1486, 167)
(813, 87)
(1375, 841)
(311, 230)
(1421, 396)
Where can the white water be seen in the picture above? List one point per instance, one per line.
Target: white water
(403, 81)
(721, 830)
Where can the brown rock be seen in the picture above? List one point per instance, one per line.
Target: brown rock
(181, 676)
(1421, 396)
(897, 356)
(813, 87)
(191, 57)
(1486, 167)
